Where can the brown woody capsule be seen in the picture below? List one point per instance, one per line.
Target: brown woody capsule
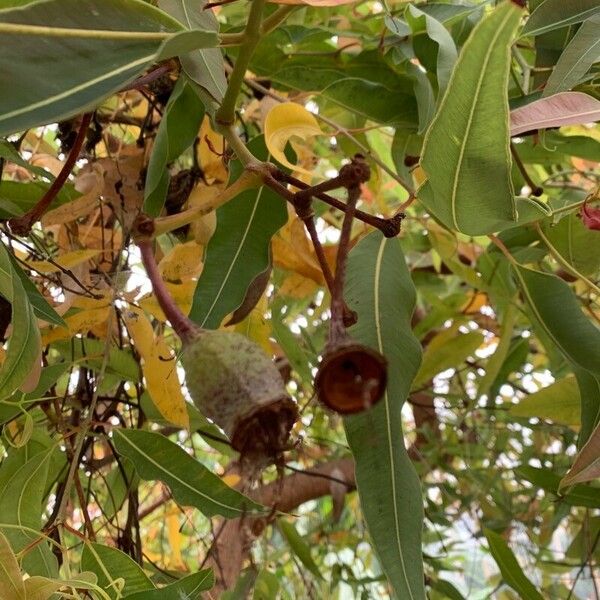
(351, 378)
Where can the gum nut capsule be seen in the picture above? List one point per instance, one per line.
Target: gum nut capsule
(233, 382)
(351, 378)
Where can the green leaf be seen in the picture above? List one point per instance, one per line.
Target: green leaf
(24, 345)
(494, 364)
(11, 407)
(577, 58)
(266, 586)
(466, 153)
(578, 245)
(40, 305)
(8, 152)
(17, 198)
(556, 312)
(578, 495)
(204, 67)
(589, 387)
(21, 515)
(300, 548)
(448, 350)
(559, 402)
(187, 588)
(239, 249)
(155, 457)
(446, 54)
(509, 567)
(110, 43)
(380, 289)
(112, 565)
(90, 353)
(586, 466)
(177, 131)
(554, 14)
(11, 579)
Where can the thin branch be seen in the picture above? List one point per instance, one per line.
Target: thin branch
(22, 225)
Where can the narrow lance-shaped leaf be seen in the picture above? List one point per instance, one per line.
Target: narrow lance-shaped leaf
(110, 42)
(466, 153)
(559, 402)
(556, 311)
(204, 67)
(586, 466)
(380, 289)
(554, 14)
(565, 108)
(177, 131)
(577, 58)
(157, 458)
(509, 567)
(239, 249)
(21, 515)
(589, 387)
(187, 588)
(25, 342)
(110, 564)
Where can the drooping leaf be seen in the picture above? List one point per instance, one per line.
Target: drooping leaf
(579, 246)
(283, 122)
(177, 130)
(16, 197)
(446, 54)
(577, 58)
(110, 43)
(586, 466)
(40, 305)
(555, 14)
(21, 515)
(466, 151)
(509, 567)
(204, 67)
(564, 108)
(578, 495)
(448, 349)
(239, 249)
(191, 483)
(559, 402)
(380, 289)
(556, 312)
(589, 387)
(111, 565)
(24, 345)
(159, 367)
(187, 588)
(299, 546)
(11, 579)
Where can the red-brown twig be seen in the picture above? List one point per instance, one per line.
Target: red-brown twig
(22, 225)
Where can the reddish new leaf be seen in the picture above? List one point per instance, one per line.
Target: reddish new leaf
(566, 108)
(591, 217)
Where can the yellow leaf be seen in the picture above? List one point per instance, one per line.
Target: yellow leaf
(174, 541)
(211, 145)
(285, 121)
(182, 294)
(66, 261)
(204, 226)
(475, 302)
(182, 262)
(298, 286)
(159, 368)
(231, 479)
(80, 322)
(256, 327)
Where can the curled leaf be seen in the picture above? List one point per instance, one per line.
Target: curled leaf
(285, 121)
(590, 217)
